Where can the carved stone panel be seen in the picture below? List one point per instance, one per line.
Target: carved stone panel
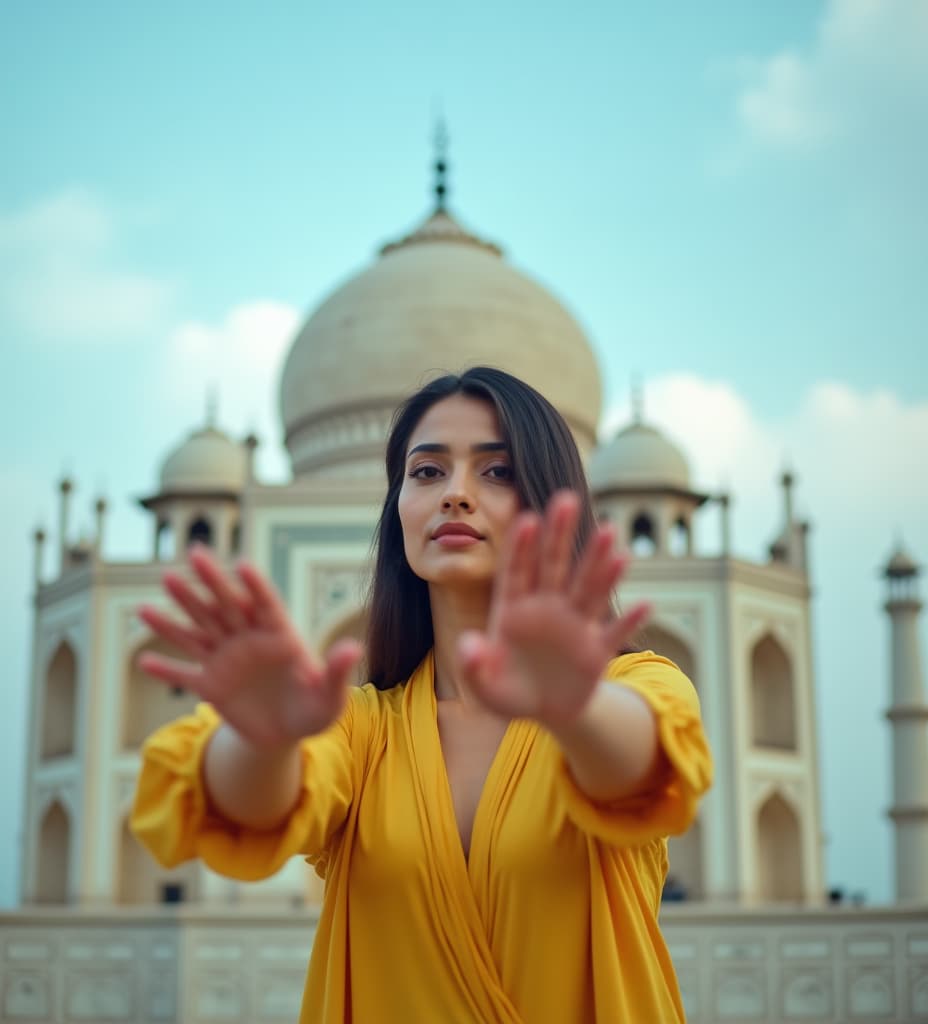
(918, 992)
(26, 996)
(807, 995)
(97, 996)
(870, 992)
(161, 995)
(740, 994)
(279, 996)
(219, 995)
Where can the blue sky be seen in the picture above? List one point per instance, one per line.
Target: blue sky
(728, 196)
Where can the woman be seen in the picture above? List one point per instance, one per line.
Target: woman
(490, 812)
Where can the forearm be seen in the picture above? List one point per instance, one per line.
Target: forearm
(612, 748)
(249, 786)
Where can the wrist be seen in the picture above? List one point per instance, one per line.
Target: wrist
(576, 728)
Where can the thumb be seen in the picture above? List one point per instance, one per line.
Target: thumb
(472, 653)
(341, 658)
(480, 663)
(625, 626)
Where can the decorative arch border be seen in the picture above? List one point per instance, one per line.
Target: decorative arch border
(760, 628)
(762, 791)
(686, 633)
(55, 794)
(65, 636)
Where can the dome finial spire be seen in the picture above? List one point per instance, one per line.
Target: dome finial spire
(212, 405)
(441, 163)
(637, 398)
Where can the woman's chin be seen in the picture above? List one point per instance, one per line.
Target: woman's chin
(462, 576)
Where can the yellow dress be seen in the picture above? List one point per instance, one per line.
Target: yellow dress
(551, 918)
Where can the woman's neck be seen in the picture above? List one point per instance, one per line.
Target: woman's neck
(453, 612)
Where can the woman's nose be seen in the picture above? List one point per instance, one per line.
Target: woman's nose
(456, 499)
(457, 495)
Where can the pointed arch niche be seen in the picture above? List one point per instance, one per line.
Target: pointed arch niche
(773, 702)
(200, 531)
(59, 709)
(54, 855)
(148, 704)
(141, 881)
(643, 538)
(779, 852)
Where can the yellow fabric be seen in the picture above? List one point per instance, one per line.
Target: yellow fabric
(552, 918)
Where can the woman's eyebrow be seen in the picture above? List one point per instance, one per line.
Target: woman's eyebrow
(443, 449)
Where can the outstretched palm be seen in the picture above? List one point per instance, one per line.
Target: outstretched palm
(246, 657)
(550, 633)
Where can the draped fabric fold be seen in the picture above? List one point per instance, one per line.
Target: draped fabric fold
(461, 917)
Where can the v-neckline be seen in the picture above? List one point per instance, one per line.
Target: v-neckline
(436, 803)
(490, 783)
(488, 788)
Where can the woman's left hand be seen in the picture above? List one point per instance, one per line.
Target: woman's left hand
(551, 630)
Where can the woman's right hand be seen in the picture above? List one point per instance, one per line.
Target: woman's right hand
(246, 657)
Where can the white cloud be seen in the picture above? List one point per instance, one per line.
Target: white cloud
(59, 280)
(867, 69)
(782, 108)
(238, 361)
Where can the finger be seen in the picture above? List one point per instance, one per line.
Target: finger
(480, 663)
(598, 596)
(627, 625)
(173, 671)
(557, 541)
(199, 611)
(598, 571)
(230, 605)
(519, 572)
(268, 608)
(341, 659)
(190, 639)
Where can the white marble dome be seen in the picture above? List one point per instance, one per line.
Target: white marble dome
(638, 457)
(440, 300)
(208, 461)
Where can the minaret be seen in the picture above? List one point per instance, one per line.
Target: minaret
(908, 715)
(791, 547)
(65, 487)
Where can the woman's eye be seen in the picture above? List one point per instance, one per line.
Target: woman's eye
(500, 472)
(425, 472)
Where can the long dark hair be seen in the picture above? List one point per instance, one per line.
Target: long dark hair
(544, 459)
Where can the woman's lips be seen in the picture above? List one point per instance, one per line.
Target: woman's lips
(456, 540)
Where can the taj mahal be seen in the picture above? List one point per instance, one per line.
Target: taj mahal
(104, 934)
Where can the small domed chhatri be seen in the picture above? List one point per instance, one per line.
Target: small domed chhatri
(208, 461)
(639, 456)
(901, 565)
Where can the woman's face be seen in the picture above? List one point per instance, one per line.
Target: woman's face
(458, 500)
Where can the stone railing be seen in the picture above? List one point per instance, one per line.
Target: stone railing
(840, 965)
(196, 965)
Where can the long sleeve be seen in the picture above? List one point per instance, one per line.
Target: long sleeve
(670, 807)
(172, 819)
